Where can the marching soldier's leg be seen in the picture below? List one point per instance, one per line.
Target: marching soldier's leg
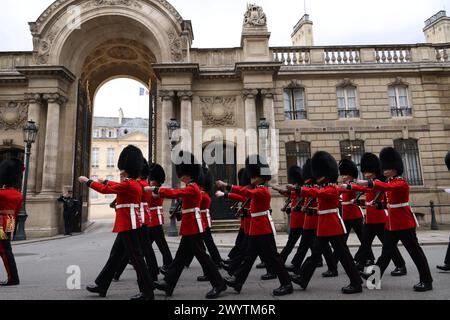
(241, 274)
(240, 237)
(306, 242)
(368, 235)
(9, 262)
(310, 264)
(149, 254)
(183, 255)
(389, 245)
(121, 268)
(399, 262)
(294, 235)
(409, 240)
(160, 239)
(358, 226)
(212, 248)
(237, 261)
(331, 262)
(447, 257)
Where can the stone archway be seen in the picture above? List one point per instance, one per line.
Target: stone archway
(78, 46)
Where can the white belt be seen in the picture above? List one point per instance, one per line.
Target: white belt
(142, 210)
(132, 208)
(399, 205)
(158, 209)
(198, 217)
(208, 217)
(266, 213)
(327, 211)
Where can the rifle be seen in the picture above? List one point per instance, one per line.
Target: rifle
(176, 210)
(235, 208)
(242, 212)
(298, 205)
(286, 206)
(306, 207)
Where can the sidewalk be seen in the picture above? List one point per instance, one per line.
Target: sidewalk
(426, 238)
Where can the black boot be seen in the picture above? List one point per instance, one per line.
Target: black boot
(399, 271)
(351, 289)
(231, 282)
(299, 281)
(162, 285)
(10, 283)
(268, 276)
(202, 278)
(142, 297)
(423, 286)
(283, 290)
(330, 274)
(445, 267)
(96, 289)
(215, 292)
(290, 268)
(261, 265)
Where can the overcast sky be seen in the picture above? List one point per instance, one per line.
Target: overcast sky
(218, 23)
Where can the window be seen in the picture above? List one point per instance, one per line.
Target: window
(95, 157)
(347, 102)
(110, 158)
(399, 101)
(297, 153)
(110, 196)
(411, 160)
(354, 151)
(92, 193)
(294, 104)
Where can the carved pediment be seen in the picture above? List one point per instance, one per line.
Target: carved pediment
(255, 16)
(218, 111)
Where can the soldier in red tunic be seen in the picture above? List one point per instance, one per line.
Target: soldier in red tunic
(309, 207)
(331, 228)
(188, 171)
(351, 213)
(261, 240)
(376, 214)
(446, 265)
(156, 214)
(10, 205)
(129, 196)
(401, 222)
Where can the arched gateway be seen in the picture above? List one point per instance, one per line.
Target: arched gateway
(80, 44)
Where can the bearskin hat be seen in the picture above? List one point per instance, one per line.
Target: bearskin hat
(348, 168)
(206, 180)
(257, 166)
(244, 179)
(324, 165)
(157, 173)
(447, 160)
(131, 160)
(391, 160)
(145, 169)
(307, 171)
(188, 166)
(11, 172)
(370, 163)
(295, 175)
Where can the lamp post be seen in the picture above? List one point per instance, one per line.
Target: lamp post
(30, 131)
(172, 126)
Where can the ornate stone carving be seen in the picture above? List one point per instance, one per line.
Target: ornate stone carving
(33, 97)
(185, 95)
(54, 98)
(13, 114)
(176, 46)
(218, 111)
(166, 94)
(249, 94)
(399, 82)
(346, 83)
(255, 16)
(268, 93)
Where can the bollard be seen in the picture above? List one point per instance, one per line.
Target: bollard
(434, 225)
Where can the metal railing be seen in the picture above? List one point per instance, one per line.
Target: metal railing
(432, 206)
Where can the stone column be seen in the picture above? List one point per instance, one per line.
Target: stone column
(186, 118)
(272, 145)
(51, 150)
(251, 140)
(166, 114)
(34, 114)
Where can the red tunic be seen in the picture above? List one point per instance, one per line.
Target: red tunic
(311, 221)
(297, 216)
(10, 200)
(128, 200)
(205, 205)
(155, 207)
(237, 198)
(401, 216)
(330, 222)
(191, 195)
(373, 214)
(146, 199)
(350, 211)
(260, 221)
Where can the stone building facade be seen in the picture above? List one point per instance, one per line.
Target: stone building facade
(343, 99)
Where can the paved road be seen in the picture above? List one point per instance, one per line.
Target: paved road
(43, 266)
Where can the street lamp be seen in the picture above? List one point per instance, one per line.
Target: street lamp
(172, 126)
(30, 131)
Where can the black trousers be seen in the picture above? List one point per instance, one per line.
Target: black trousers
(156, 235)
(240, 237)
(370, 231)
(8, 259)
(149, 255)
(191, 246)
(126, 244)
(306, 243)
(211, 246)
(357, 226)
(265, 247)
(68, 220)
(447, 257)
(411, 244)
(341, 251)
(294, 235)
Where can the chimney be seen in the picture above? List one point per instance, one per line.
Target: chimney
(437, 28)
(303, 32)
